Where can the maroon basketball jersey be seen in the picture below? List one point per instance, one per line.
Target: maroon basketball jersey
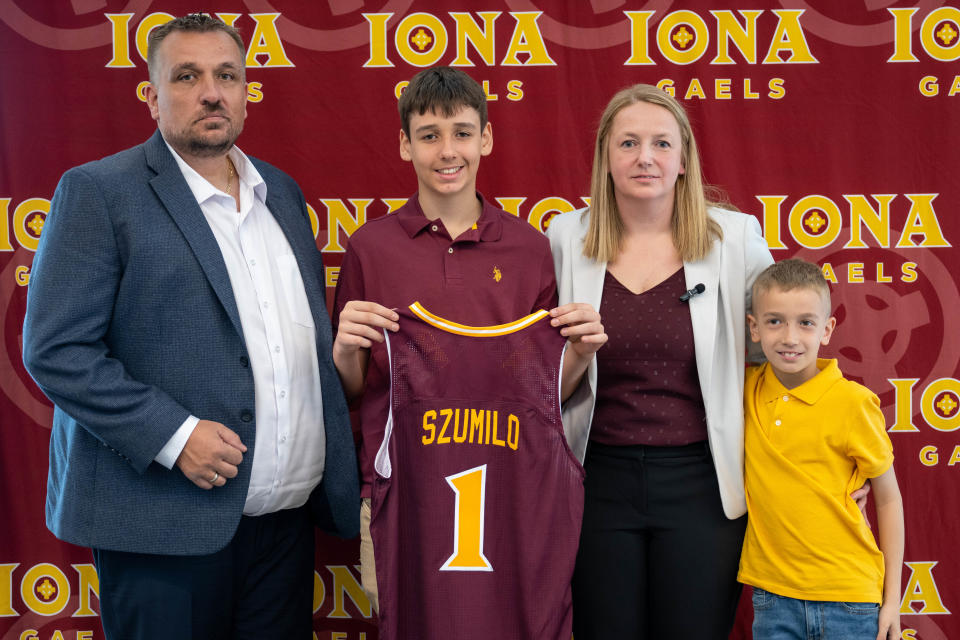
(478, 499)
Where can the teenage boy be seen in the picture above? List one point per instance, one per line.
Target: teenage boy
(451, 250)
(811, 438)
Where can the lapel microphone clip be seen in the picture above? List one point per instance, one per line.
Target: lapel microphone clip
(689, 293)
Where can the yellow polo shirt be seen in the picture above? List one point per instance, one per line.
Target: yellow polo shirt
(806, 450)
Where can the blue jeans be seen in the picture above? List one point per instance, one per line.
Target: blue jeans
(782, 618)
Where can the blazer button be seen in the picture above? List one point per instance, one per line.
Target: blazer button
(246, 416)
(244, 361)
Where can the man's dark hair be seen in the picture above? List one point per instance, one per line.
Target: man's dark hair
(441, 90)
(191, 23)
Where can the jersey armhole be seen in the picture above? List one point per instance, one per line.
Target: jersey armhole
(381, 463)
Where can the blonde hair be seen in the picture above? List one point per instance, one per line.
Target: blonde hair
(693, 230)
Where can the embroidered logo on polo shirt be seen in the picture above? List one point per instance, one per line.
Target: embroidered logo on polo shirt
(497, 276)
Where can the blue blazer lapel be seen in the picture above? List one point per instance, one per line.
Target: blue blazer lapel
(177, 198)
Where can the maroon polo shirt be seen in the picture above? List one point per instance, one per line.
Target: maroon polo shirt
(494, 273)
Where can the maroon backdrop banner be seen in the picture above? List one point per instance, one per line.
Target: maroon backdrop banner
(833, 122)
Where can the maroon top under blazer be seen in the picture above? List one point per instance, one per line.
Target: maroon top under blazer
(648, 391)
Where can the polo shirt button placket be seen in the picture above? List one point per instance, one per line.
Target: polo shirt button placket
(452, 267)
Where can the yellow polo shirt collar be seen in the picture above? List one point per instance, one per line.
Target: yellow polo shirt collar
(809, 392)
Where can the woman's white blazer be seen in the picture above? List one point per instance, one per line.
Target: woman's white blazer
(719, 333)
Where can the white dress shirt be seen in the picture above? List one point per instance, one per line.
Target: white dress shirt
(280, 337)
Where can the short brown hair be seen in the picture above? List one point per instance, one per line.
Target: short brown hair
(792, 273)
(442, 90)
(194, 23)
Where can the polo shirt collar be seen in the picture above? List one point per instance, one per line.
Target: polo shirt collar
(810, 391)
(488, 228)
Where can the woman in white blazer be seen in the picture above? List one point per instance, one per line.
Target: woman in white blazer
(661, 435)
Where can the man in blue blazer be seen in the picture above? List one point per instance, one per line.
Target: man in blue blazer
(176, 319)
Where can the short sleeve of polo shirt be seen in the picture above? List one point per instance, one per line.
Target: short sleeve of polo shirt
(349, 285)
(868, 443)
(548, 298)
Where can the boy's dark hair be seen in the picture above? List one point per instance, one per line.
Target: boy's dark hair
(442, 90)
(792, 273)
(193, 23)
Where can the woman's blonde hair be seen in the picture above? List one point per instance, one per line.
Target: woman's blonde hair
(693, 230)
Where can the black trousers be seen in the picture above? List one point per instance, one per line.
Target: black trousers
(657, 558)
(259, 586)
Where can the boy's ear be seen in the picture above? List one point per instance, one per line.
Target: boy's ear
(754, 328)
(486, 140)
(828, 330)
(405, 146)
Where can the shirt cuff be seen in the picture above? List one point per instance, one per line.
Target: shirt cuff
(171, 451)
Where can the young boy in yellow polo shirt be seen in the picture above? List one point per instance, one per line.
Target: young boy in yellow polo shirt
(811, 438)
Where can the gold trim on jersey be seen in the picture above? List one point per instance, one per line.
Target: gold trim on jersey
(476, 332)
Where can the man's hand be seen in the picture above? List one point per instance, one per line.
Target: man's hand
(211, 455)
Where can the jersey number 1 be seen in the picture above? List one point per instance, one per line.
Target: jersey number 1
(469, 487)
